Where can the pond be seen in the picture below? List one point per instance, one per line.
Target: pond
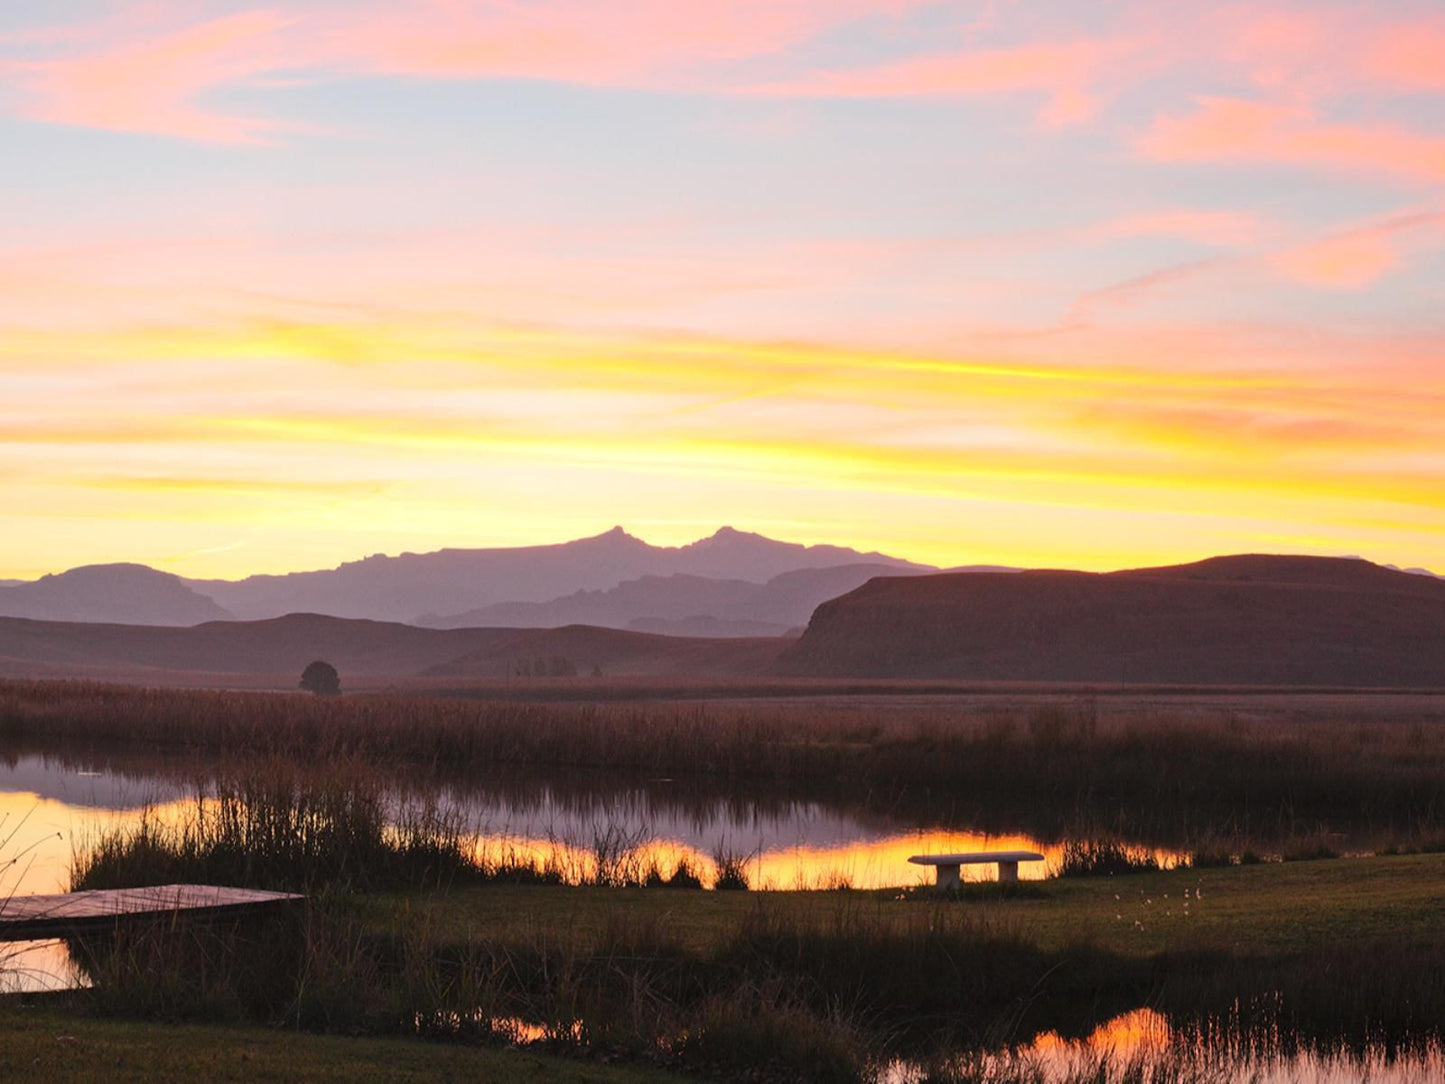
(51, 807)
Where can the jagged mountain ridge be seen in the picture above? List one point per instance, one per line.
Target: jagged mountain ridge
(405, 587)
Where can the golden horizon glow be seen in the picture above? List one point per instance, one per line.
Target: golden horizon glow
(338, 440)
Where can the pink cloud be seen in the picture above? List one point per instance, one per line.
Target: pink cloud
(1410, 56)
(652, 43)
(1066, 73)
(156, 80)
(1358, 258)
(154, 72)
(1347, 262)
(1255, 133)
(152, 85)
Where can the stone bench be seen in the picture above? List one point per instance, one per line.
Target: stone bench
(948, 864)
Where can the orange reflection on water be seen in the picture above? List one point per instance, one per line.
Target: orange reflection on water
(1123, 1037)
(864, 864)
(39, 837)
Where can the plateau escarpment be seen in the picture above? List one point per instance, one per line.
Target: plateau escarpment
(1256, 620)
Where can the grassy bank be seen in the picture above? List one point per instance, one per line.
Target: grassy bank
(51, 1042)
(1259, 910)
(1212, 780)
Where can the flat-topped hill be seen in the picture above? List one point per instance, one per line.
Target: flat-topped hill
(1252, 619)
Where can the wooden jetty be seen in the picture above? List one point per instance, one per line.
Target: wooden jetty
(33, 918)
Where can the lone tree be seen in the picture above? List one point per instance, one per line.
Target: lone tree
(321, 678)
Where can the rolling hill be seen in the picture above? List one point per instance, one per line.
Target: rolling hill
(274, 652)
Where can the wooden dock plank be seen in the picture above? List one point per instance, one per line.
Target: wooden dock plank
(28, 918)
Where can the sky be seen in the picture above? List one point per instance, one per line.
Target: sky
(1064, 284)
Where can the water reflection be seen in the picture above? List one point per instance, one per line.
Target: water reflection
(51, 808)
(48, 811)
(1143, 1045)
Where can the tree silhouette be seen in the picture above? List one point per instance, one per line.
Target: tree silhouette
(321, 678)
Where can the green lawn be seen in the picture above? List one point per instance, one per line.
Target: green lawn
(47, 1044)
(1264, 909)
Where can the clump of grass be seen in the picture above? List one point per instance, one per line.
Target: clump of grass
(273, 827)
(732, 872)
(684, 876)
(1104, 857)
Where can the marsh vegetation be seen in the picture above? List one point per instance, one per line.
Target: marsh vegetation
(417, 923)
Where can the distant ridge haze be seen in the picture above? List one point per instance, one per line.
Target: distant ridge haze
(687, 604)
(454, 581)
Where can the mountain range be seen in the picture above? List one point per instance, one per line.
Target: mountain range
(719, 584)
(1242, 620)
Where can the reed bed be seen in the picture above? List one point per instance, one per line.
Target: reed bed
(1223, 776)
(272, 825)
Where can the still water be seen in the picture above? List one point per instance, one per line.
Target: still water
(50, 808)
(1143, 1045)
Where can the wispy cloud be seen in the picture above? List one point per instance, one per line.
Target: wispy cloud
(1066, 75)
(156, 84)
(1255, 133)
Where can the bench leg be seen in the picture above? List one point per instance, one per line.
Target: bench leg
(948, 880)
(1008, 872)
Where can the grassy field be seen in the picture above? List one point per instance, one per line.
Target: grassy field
(1265, 909)
(821, 985)
(48, 1043)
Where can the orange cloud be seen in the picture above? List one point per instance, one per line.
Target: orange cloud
(1254, 133)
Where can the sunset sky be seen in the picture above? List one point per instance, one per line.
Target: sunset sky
(1055, 284)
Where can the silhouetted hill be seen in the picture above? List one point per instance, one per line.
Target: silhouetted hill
(279, 648)
(130, 594)
(274, 647)
(1252, 619)
(683, 604)
(457, 581)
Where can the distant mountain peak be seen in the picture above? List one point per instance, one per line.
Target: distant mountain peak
(731, 536)
(617, 535)
(122, 592)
